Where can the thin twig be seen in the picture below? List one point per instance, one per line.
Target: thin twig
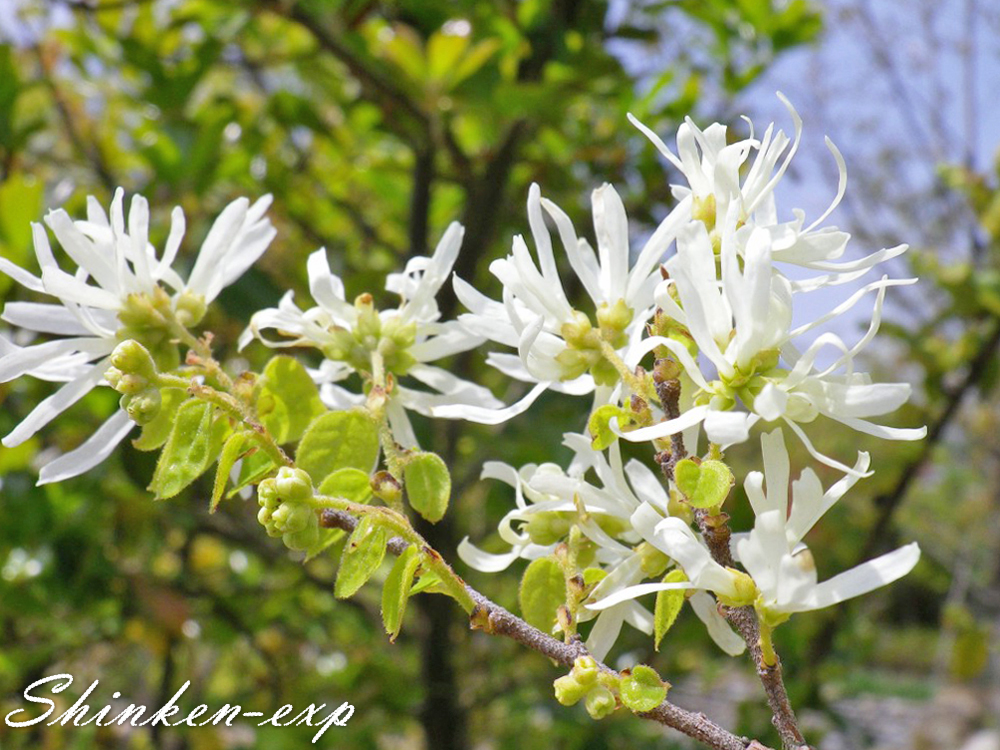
(493, 619)
(715, 531)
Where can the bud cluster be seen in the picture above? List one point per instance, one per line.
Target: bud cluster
(586, 682)
(144, 318)
(285, 509)
(133, 374)
(583, 342)
(391, 337)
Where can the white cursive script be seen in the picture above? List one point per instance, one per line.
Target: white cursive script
(76, 715)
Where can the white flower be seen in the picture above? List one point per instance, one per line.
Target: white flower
(773, 553)
(549, 501)
(403, 340)
(713, 167)
(742, 326)
(129, 279)
(558, 346)
(781, 567)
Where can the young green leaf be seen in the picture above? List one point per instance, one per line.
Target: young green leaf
(543, 591)
(397, 590)
(642, 690)
(428, 485)
(287, 399)
(362, 556)
(255, 466)
(705, 485)
(429, 582)
(191, 448)
(155, 433)
(327, 538)
(234, 448)
(668, 606)
(350, 484)
(599, 425)
(338, 440)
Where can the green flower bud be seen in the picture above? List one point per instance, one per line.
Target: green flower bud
(302, 541)
(746, 590)
(585, 670)
(126, 384)
(547, 527)
(600, 702)
(569, 691)
(341, 345)
(280, 515)
(264, 515)
(293, 485)
(402, 335)
(578, 333)
(651, 560)
(132, 358)
(575, 362)
(368, 329)
(267, 494)
(604, 372)
(299, 517)
(614, 318)
(142, 407)
(190, 309)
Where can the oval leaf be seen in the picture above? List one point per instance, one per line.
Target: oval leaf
(397, 590)
(599, 425)
(362, 555)
(543, 591)
(287, 399)
(338, 440)
(428, 485)
(705, 485)
(642, 690)
(190, 450)
(350, 484)
(668, 606)
(234, 448)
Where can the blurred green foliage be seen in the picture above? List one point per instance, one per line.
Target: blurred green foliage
(374, 124)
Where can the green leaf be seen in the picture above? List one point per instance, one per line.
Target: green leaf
(599, 425)
(362, 556)
(668, 606)
(705, 485)
(429, 582)
(338, 440)
(232, 451)
(155, 433)
(256, 465)
(287, 399)
(328, 538)
(443, 54)
(21, 200)
(350, 484)
(642, 690)
(543, 591)
(397, 590)
(190, 449)
(428, 485)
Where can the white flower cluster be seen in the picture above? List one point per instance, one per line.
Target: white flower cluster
(118, 291)
(716, 315)
(720, 308)
(402, 341)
